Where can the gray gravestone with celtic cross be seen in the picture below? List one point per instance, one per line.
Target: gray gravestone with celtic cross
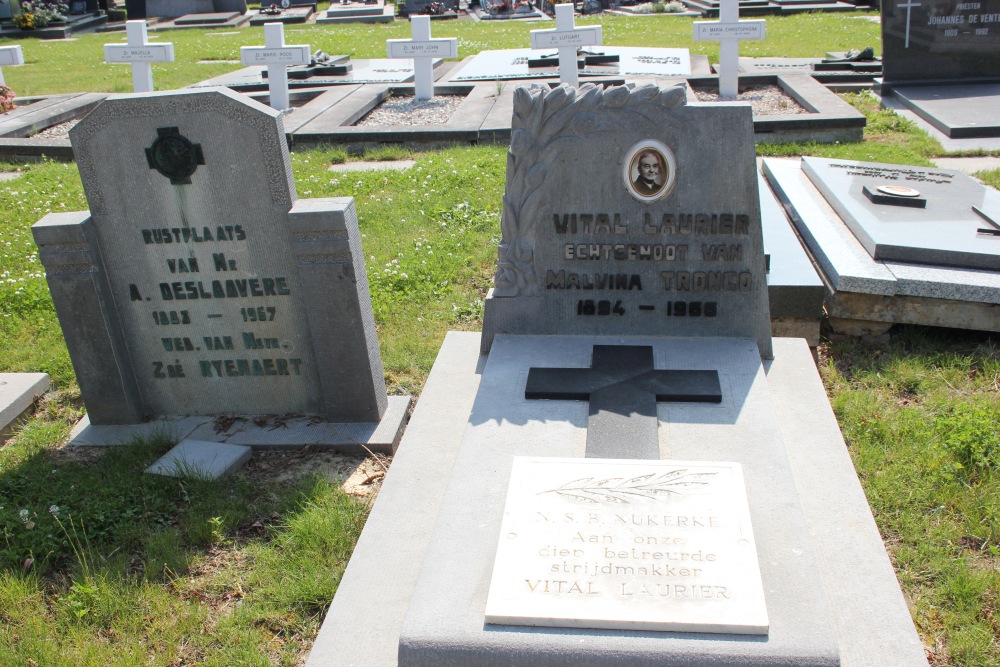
(198, 283)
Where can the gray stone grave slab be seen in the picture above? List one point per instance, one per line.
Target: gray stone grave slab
(867, 611)
(289, 15)
(359, 12)
(867, 294)
(46, 112)
(633, 62)
(198, 283)
(201, 460)
(593, 249)
(209, 18)
(960, 111)
(18, 393)
(944, 233)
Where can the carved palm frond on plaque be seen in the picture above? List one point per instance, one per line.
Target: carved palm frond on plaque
(543, 120)
(624, 491)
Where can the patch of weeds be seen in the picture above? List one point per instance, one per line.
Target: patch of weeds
(970, 433)
(991, 178)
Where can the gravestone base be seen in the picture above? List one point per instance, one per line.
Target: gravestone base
(290, 15)
(960, 111)
(867, 622)
(18, 393)
(260, 432)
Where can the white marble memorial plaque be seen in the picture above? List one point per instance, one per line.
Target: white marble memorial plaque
(435, 48)
(627, 544)
(147, 53)
(264, 55)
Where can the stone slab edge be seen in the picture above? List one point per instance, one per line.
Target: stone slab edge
(360, 633)
(277, 432)
(363, 624)
(201, 460)
(18, 392)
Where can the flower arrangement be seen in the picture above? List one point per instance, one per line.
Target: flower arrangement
(6, 99)
(39, 14)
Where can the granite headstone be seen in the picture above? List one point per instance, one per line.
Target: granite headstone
(657, 237)
(198, 283)
(940, 41)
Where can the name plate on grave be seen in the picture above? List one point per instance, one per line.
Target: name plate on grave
(285, 55)
(551, 39)
(435, 48)
(152, 53)
(714, 31)
(627, 544)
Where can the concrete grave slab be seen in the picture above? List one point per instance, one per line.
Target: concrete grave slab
(201, 460)
(377, 70)
(880, 293)
(633, 62)
(289, 15)
(365, 165)
(358, 12)
(943, 232)
(26, 120)
(18, 393)
(959, 111)
(868, 615)
(890, 101)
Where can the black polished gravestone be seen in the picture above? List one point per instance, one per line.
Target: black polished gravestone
(623, 389)
(940, 41)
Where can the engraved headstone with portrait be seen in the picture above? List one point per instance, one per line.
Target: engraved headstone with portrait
(198, 283)
(653, 236)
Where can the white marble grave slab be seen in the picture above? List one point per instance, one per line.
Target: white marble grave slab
(628, 545)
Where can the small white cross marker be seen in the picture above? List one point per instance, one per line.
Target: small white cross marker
(277, 57)
(567, 38)
(909, 7)
(423, 50)
(10, 55)
(729, 31)
(140, 53)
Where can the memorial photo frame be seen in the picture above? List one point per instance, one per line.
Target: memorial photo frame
(649, 170)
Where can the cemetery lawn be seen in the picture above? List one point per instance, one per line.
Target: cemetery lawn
(101, 565)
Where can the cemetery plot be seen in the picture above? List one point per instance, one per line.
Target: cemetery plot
(632, 61)
(232, 296)
(907, 214)
(359, 11)
(869, 294)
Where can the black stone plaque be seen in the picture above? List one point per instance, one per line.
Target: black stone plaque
(877, 197)
(623, 389)
(940, 40)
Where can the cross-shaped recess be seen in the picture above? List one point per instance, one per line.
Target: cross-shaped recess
(623, 389)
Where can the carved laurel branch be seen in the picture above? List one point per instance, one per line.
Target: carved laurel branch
(619, 490)
(543, 120)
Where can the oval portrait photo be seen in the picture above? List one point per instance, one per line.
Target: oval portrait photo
(649, 170)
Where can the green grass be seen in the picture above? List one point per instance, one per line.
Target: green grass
(151, 571)
(78, 66)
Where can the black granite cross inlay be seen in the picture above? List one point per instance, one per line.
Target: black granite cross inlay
(623, 389)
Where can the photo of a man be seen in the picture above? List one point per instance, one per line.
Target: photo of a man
(648, 170)
(651, 173)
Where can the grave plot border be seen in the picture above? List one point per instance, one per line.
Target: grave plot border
(867, 296)
(41, 113)
(830, 120)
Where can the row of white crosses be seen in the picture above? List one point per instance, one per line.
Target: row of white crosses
(10, 55)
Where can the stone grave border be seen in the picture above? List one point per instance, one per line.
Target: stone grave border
(40, 113)
(867, 296)
(831, 118)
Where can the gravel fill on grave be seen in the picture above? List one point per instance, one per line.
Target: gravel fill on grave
(767, 100)
(407, 110)
(60, 131)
